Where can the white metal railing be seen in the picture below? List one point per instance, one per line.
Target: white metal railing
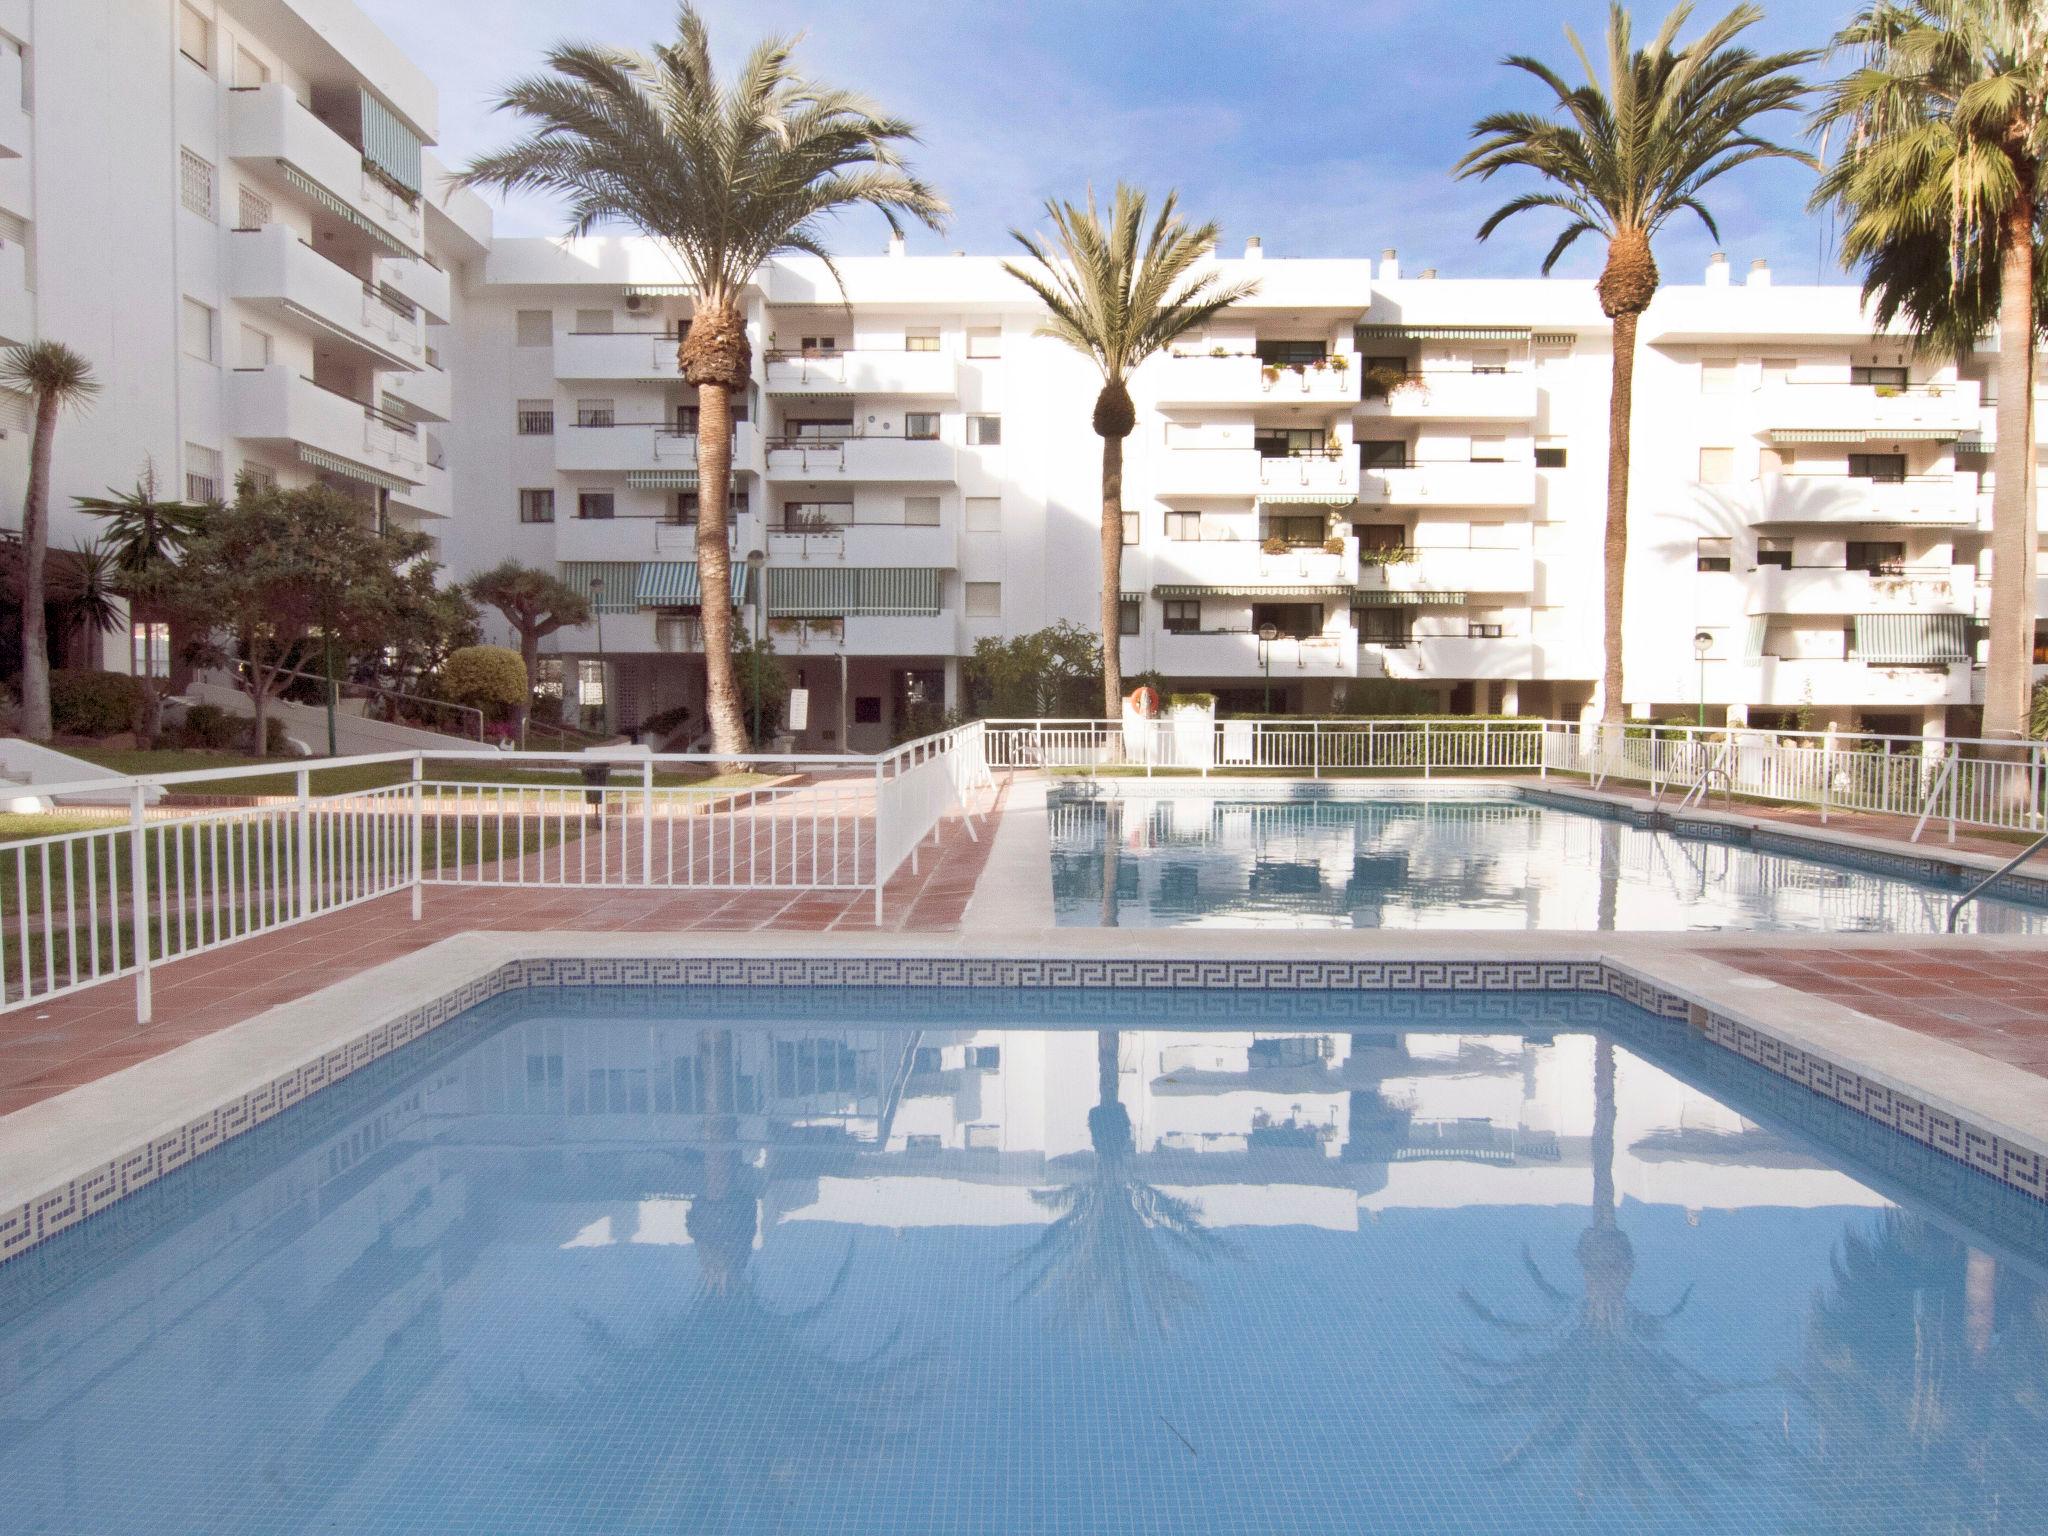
(87, 906)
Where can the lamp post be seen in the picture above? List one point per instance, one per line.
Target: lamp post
(604, 692)
(1702, 642)
(1268, 633)
(757, 578)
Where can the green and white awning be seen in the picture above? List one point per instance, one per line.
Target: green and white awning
(1865, 434)
(1910, 639)
(1305, 499)
(662, 479)
(674, 584)
(1753, 646)
(342, 210)
(389, 145)
(808, 592)
(660, 290)
(621, 590)
(1380, 597)
(1256, 589)
(1442, 333)
(334, 464)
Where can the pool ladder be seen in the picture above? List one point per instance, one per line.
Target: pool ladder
(1955, 912)
(1720, 769)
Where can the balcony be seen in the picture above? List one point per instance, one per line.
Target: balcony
(1448, 483)
(867, 634)
(622, 447)
(419, 282)
(843, 460)
(432, 497)
(272, 269)
(1197, 379)
(1927, 501)
(1785, 682)
(1830, 590)
(1246, 562)
(269, 132)
(1240, 653)
(934, 545)
(17, 305)
(426, 392)
(1243, 472)
(1430, 657)
(14, 122)
(278, 405)
(933, 375)
(1939, 411)
(1453, 570)
(617, 355)
(1439, 394)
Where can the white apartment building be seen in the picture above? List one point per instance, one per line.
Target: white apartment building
(1361, 473)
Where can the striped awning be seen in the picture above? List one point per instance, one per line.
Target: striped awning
(662, 479)
(674, 584)
(1305, 499)
(342, 210)
(334, 464)
(660, 290)
(1753, 647)
(1443, 333)
(1553, 338)
(1257, 589)
(621, 578)
(1910, 639)
(1132, 597)
(1379, 597)
(812, 592)
(389, 145)
(1864, 434)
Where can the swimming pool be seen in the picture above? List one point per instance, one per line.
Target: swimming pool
(876, 1260)
(1467, 858)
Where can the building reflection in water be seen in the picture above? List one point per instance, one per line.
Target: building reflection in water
(681, 1271)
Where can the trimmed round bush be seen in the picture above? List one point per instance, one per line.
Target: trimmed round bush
(211, 728)
(94, 703)
(491, 678)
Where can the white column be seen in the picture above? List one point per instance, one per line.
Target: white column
(952, 699)
(1510, 697)
(1933, 732)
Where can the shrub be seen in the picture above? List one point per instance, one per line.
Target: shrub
(925, 718)
(662, 724)
(273, 737)
(1191, 701)
(211, 728)
(488, 677)
(94, 703)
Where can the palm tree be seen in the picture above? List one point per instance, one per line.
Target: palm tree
(1628, 156)
(55, 377)
(535, 603)
(1940, 182)
(1117, 305)
(144, 540)
(721, 177)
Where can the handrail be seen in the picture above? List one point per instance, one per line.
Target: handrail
(1955, 912)
(338, 683)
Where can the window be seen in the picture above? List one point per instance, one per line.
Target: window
(814, 345)
(195, 37)
(1717, 466)
(594, 322)
(1184, 527)
(1876, 557)
(537, 504)
(195, 183)
(1718, 376)
(250, 71)
(686, 420)
(593, 413)
(682, 509)
(985, 341)
(1296, 532)
(257, 348)
(984, 1058)
(1882, 378)
(1774, 552)
(1382, 626)
(922, 339)
(1713, 555)
(536, 328)
(921, 511)
(257, 477)
(1297, 621)
(921, 426)
(1481, 630)
(594, 506)
(152, 644)
(1181, 617)
(202, 473)
(984, 514)
(819, 429)
(1885, 468)
(984, 431)
(1130, 614)
(1378, 536)
(590, 684)
(1130, 521)
(252, 208)
(984, 599)
(1292, 354)
(1383, 453)
(1288, 442)
(536, 418)
(815, 516)
(196, 326)
(1550, 456)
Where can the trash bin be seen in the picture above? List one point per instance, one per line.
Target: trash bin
(595, 777)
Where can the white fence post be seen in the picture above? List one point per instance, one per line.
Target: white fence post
(1315, 748)
(647, 820)
(138, 879)
(419, 833)
(1425, 749)
(305, 843)
(875, 863)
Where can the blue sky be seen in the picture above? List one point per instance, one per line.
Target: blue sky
(1327, 127)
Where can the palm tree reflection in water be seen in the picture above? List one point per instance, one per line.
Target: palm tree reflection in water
(1593, 1376)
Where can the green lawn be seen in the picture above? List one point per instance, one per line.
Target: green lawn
(341, 781)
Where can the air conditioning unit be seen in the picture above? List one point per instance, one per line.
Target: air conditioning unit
(635, 303)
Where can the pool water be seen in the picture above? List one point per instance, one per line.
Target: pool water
(1061, 1262)
(1444, 862)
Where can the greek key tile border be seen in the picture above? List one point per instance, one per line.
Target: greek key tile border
(46, 1215)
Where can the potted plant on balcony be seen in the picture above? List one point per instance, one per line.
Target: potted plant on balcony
(1275, 546)
(782, 626)
(1219, 352)
(1271, 374)
(1339, 364)
(1334, 544)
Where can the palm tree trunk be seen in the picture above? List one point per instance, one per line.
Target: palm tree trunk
(714, 568)
(1112, 577)
(35, 543)
(529, 656)
(2009, 665)
(1620, 412)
